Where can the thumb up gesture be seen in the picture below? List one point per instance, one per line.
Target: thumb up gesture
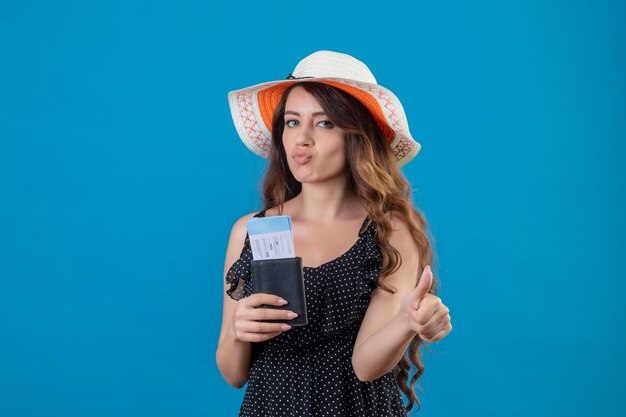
(425, 313)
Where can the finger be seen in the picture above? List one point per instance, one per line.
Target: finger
(261, 313)
(423, 286)
(259, 337)
(444, 317)
(421, 328)
(440, 335)
(428, 307)
(427, 311)
(258, 299)
(433, 315)
(261, 327)
(436, 322)
(442, 322)
(434, 327)
(429, 331)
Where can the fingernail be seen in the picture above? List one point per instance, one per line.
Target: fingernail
(282, 301)
(292, 315)
(285, 327)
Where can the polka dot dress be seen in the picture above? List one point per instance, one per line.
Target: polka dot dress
(307, 371)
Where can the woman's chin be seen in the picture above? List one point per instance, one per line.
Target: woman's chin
(303, 174)
(304, 178)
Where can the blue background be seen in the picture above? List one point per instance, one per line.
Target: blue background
(121, 174)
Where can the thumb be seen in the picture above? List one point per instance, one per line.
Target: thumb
(425, 282)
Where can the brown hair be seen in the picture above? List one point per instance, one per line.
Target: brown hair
(375, 179)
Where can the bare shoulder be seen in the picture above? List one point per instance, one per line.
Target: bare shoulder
(398, 221)
(236, 240)
(239, 227)
(402, 240)
(400, 231)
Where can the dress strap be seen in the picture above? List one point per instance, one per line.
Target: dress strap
(365, 225)
(246, 242)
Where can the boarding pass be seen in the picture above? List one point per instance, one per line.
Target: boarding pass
(271, 237)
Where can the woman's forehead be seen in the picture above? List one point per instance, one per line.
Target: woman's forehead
(301, 101)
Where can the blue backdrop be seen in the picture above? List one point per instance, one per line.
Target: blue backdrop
(121, 175)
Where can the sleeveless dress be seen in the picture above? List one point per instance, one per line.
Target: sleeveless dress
(307, 370)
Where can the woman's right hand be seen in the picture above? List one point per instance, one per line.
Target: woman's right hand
(245, 326)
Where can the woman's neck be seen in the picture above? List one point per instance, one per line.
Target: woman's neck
(325, 202)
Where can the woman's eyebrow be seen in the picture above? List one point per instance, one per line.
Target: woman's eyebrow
(295, 113)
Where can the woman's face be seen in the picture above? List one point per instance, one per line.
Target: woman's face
(314, 146)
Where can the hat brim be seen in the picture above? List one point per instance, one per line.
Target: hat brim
(252, 109)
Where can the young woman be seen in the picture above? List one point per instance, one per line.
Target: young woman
(336, 144)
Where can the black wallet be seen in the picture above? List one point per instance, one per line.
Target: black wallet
(282, 277)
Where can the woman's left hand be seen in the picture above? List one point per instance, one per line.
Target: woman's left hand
(424, 312)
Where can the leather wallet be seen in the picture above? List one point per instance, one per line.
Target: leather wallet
(284, 278)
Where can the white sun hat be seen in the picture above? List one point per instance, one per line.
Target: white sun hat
(252, 108)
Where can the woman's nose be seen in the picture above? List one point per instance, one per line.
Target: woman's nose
(304, 136)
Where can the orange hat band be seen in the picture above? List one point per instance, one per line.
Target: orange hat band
(269, 98)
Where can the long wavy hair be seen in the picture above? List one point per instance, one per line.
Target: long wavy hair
(376, 180)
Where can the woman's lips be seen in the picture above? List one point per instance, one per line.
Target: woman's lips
(302, 158)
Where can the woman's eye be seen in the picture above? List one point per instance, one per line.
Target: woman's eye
(327, 124)
(291, 123)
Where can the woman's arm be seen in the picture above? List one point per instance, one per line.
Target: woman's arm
(386, 331)
(242, 320)
(233, 355)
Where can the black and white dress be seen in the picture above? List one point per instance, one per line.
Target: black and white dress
(307, 371)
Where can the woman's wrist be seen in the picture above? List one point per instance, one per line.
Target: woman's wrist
(233, 335)
(403, 325)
